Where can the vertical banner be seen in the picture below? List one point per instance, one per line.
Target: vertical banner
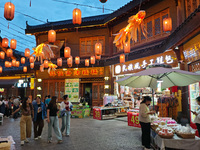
(32, 84)
(72, 89)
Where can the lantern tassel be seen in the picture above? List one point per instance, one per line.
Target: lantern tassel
(8, 25)
(103, 8)
(30, 3)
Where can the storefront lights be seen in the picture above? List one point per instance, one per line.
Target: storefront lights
(39, 88)
(39, 80)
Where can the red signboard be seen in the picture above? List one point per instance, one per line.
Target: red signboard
(133, 119)
(97, 113)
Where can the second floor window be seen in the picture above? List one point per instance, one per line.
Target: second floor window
(190, 6)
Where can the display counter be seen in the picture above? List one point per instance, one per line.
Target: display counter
(133, 118)
(80, 112)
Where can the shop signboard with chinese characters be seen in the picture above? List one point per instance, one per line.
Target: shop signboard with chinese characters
(192, 53)
(72, 89)
(169, 57)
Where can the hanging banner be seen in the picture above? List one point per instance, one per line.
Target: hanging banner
(32, 84)
(72, 89)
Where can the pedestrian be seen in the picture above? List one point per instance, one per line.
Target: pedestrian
(65, 108)
(26, 120)
(9, 106)
(197, 114)
(53, 121)
(47, 100)
(144, 118)
(16, 104)
(39, 115)
(2, 106)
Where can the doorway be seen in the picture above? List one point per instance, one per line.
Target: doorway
(86, 92)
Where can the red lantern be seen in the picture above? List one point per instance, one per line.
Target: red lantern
(70, 61)
(13, 44)
(92, 60)
(2, 55)
(1, 69)
(77, 60)
(98, 49)
(59, 62)
(98, 57)
(167, 24)
(9, 53)
(9, 11)
(41, 68)
(67, 52)
(127, 47)
(87, 62)
(103, 1)
(27, 52)
(17, 64)
(31, 65)
(77, 16)
(13, 62)
(46, 64)
(6, 64)
(122, 58)
(5, 42)
(23, 60)
(31, 59)
(24, 69)
(10, 64)
(52, 36)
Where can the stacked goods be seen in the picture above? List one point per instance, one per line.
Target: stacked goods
(185, 132)
(166, 132)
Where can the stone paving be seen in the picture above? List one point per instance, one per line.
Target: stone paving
(86, 134)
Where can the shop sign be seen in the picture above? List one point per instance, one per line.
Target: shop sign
(97, 113)
(134, 66)
(72, 89)
(192, 54)
(133, 119)
(32, 84)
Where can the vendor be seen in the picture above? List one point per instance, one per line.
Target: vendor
(144, 118)
(197, 114)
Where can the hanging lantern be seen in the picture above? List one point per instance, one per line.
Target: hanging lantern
(77, 16)
(127, 47)
(92, 60)
(17, 64)
(41, 68)
(87, 62)
(31, 59)
(13, 44)
(32, 65)
(9, 11)
(46, 63)
(98, 49)
(23, 60)
(52, 36)
(2, 55)
(77, 60)
(122, 58)
(59, 62)
(10, 64)
(103, 1)
(98, 57)
(5, 42)
(67, 52)
(9, 53)
(27, 52)
(167, 24)
(6, 64)
(70, 61)
(24, 69)
(13, 62)
(1, 69)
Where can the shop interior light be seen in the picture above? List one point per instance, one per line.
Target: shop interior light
(21, 81)
(39, 95)
(176, 47)
(39, 88)
(160, 80)
(106, 87)
(39, 80)
(75, 68)
(106, 78)
(64, 69)
(106, 94)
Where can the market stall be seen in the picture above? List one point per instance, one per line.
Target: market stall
(80, 111)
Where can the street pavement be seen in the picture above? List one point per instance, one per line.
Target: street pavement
(86, 134)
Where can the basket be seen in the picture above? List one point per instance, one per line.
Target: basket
(185, 136)
(166, 136)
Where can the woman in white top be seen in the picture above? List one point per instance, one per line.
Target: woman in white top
(197, 114)
(144, 118)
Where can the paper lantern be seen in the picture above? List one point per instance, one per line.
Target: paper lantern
(9, 53)
(17, 64)
(27, 52)
(67, 52)
(6, 64)
(23, 60)
(10, 64)
(167, 24)
(1, 69)
(127, 47)
(24, 69)
(13, 44)
(98, 49)
(77, 60)
(59, 62)
(2, 55)
(103, 1)
(77, 16)
(31, 59)
(122, 58)
(41, 68)
(31, 65)
(46, 63)
(13, 62)
(98, 57)
(5, 42)
(9, 11)
(92, 60)
(52, 36)
(70, 61)
(87, 62)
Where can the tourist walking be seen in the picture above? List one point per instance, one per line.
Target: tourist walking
(47, 100)
(26, 120)
(66, 108)
(53, 121)
(39, 115)
(197, 114)
(16, 104)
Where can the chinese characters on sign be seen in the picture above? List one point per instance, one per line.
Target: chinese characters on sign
(192, 53)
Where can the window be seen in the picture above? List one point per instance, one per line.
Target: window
(87, 45)
(191, 5)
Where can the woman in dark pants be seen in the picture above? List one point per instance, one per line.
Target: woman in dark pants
(144, 118)
(197, 114)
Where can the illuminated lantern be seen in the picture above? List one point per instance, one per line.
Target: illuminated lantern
(10, 64)
(31, 59)
(31, 65)
(17, 64)
(87, 62)
(92, 60)
(98, 57)
(77, 16)
(9, 53)
(24, 69)
(70, 61)
(23, 60)
(59, 62)
(13, 62)
(6, 64)
(27, 52)
(77, 60)
(67, 52)
(46, 64)
(9, 11)
(5, 42)
(103, 1)
(41, 68)
(1, 69)
(2, 55)
(122, 58)
(98, 49)
(52, 36)
(167, 24)
(13, 44)
(127, 47)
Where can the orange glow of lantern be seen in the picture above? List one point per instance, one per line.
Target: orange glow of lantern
(122, 58)
(92, 60)
(9, 11)
(9, 53)
(13, 44)
(98, 57)
(6, 64)
(31, 59)
(41, 68)
(167, 24)
(127, 47)
(87, 62)
(24, 69)
(67, 52)
(70, 61)
(17, 64)
(5, 42)
(13, 62)
(1, 69)
(46, 62)
(76, 16)
(59, 62)
(23, 60)
(98, 49)
(31, 65)
(27, 52)
(10, 64)
(77, 60)
(52, 36)
(2, 55)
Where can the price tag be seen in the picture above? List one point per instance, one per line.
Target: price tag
(133, 119)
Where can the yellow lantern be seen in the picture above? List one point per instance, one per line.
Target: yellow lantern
(32, 65)
(13, 62)
(87, 62)
(67, 52)
(9, 53)
(5, 42)
(13, 44)
(167, 24)
(9, 11)
(98, 49)
(6, 64)
(27, 52)
(77, 60)
(77, 16)
(98, 57)
(24, 69)
(23, 60)
(122, 58)
(2, 55)
(59, 62)
(52, 36)
(92, 60)
(31, 59)
(70, 61)
(127, 47)
(17, 64)
(46, 63)
(1, 69)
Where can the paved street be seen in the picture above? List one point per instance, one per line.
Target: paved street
(86, 134)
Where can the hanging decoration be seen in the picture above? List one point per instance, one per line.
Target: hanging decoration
(6, 64)
(52, 36)
(70, 61)
(14, 62)
(9, 53)
(2, 55)
(59, 62)
(87, 62)
(31, 59)
(98, 49)
(1, 69)
(52, 67)
(76, 16)
(92, 60)
(135, 22)
(122, 58)
(67, 52)
(9, 11)
(23, 60)
(167, 24)
(30, 3)
(32, 65)
(13, 44)
(10, 64)
(46, 63)
(27, 52)
(98, 57)
(24, 69)
(127, 47)
(42, 68)
(5, 42)
(17, 64)
(103, 1)
(77, 60)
